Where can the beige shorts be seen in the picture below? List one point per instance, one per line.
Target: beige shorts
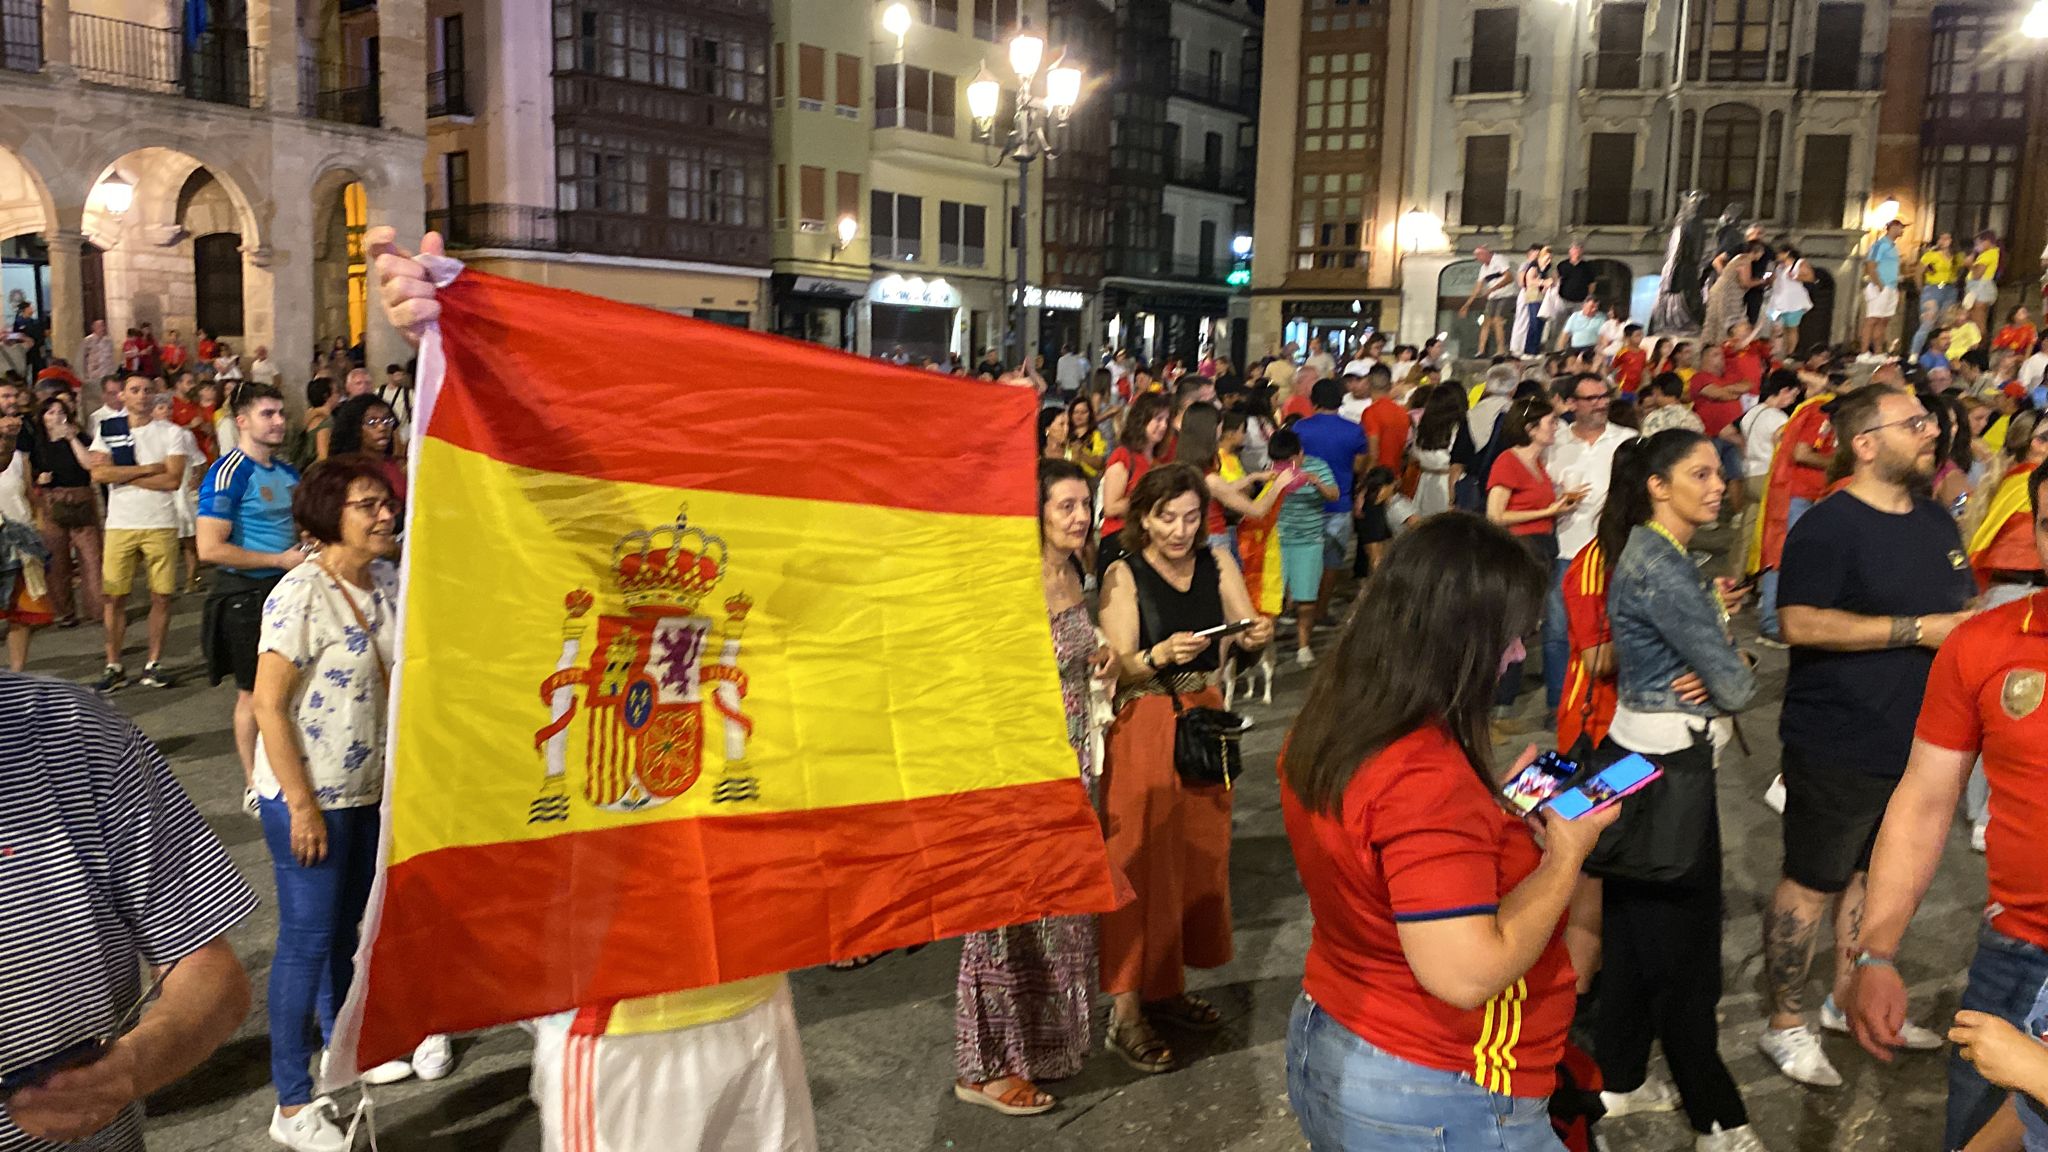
(1880, 303)
(125, 547)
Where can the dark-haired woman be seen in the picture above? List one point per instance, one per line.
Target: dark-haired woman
(1521, 498)
(1138, 445)
(71, 511)
(319, 772)
(1437, 992)
(367, 425)
(1171, 838)
(1085, 445)
(1201, 445)
(1026, 993)
(1052, 433)
(1661, 939)
(1442, 448)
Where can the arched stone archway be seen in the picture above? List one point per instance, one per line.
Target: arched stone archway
(341, 200)
(26, 219)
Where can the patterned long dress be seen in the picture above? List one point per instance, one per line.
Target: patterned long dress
(1026, 991)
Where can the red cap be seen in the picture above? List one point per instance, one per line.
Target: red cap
(2015, 389)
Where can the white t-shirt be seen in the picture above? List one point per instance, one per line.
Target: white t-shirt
(92, 422)
(263, 372)
(1499, 266)
(1760, 427)
(1573, 463)
(2032, 369)
(338, 705)
(1353, 407)
(14, 491)
(155, 442)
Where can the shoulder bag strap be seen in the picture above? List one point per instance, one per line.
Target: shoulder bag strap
(383, 673)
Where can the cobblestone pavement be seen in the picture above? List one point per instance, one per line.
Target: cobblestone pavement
(879, 1041)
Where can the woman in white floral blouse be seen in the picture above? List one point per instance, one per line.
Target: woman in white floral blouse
(322, 682)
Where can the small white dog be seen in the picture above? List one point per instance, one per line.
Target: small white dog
(1236, 668)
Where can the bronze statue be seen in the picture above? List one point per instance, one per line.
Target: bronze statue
(1680, 304)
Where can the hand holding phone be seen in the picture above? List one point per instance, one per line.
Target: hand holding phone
(1552, 784)
(1230, 629)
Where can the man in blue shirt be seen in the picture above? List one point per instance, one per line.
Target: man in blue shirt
(1881, 287)
(1342, 445)
(246, 531)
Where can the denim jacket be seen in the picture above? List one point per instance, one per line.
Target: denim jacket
(1667, 622)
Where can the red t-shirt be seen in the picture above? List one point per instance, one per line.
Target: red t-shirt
(1421, 838)
(1297, 406)
(1589, 701)
(1629, 365)
(1388, 421)
(1814, 429)
(1715, 414)
(1985, 694)
(1747, 364)
(1138, 466)
(2018, 337)
(1528, 491)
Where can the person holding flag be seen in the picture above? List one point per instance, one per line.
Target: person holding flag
(2002, 547)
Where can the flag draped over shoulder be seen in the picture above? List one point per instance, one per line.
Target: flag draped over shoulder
(721, 655)
(1258, 547)
(1774, 519)
(2004, 539)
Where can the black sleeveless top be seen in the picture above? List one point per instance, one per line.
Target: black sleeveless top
(1164, 609)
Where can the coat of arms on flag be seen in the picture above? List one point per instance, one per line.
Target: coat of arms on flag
(695, 685)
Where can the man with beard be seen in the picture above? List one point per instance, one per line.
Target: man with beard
(1874, 578)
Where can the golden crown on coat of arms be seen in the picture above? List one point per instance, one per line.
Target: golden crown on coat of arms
(668, 566)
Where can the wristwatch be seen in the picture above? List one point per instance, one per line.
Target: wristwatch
(1869, 959)
(1146, 658)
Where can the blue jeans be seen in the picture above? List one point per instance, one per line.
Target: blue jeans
(1767, 596)
(1352, 1097)
(318, 911)
(2004, 979)
(1933, 303)
(1557, 644)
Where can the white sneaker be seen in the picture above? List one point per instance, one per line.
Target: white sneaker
(1917, 1039)
(389, 1072)
(1303, 658)
(1796, 1052)
(433, 1059)
(1774, 796)
(1653, 1095)
(312, 1129)
(1728, 1140)
(1977, 836)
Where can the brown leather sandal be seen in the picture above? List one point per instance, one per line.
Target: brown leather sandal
(1022, 1098)
(1144, 1050)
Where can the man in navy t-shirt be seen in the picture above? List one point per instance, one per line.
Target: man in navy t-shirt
(246, 529)
(1342, 445)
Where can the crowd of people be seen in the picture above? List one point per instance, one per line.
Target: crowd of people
(1419, 529)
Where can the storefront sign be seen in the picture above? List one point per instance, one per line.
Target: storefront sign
(1057, 299)
(1367, 311)
(823, 286)
(913, 290)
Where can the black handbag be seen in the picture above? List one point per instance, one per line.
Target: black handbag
(1207, 742)
(1668, 833)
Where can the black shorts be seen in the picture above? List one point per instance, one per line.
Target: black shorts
(231, 625)
(1832, 812)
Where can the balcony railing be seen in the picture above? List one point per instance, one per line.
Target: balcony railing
(217, 66)
(1191, 173)
(915, 119)
(1622, 71)
(530, 229)
(337, 92)
(1218, 90)
(1842, 72)
(1611, 207)
(1489, 77)
(21, 35)
(448, 93)
(1823, 210)
(1501, 209)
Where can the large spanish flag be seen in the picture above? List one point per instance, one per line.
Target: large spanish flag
(721, 655)
(2004, 539)
(1774, 518)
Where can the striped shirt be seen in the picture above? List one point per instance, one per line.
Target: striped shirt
(105, 866)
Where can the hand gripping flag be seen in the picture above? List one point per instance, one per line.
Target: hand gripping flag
(721, 655)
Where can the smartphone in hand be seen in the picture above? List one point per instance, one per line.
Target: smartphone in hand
(1560, 785)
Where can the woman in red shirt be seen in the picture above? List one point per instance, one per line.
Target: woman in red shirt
(1521, 498)
(1137, 450)
(1437, 991)
(2018, 335)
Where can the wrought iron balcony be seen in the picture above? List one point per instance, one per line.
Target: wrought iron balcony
(1842, 72)
(1473, 209)
(341, 93)
(1192, 173)
(448, 93)
(525, 228)
(1622, 71)
(1611, 207)
(1220, 91)
(1490, 77)
(216, 65)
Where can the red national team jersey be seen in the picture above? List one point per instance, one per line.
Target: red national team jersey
(1421, 838)
(1985, 694)
(1589, 701)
